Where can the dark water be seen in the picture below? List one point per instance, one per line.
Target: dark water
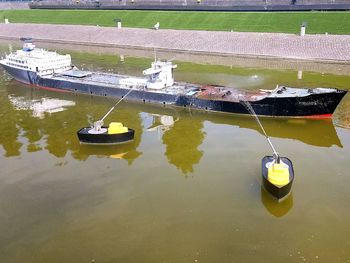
(188, 188)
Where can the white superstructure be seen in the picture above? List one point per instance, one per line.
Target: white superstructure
(26, 64)
(37, 60)
(160, 75)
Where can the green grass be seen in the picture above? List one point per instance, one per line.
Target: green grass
(286, 22)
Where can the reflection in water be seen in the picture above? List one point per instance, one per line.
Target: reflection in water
(182, 137)
(161, 122)
(274, 207)
(40, 106)
(126, 151)
(316, 132)
(182, 142)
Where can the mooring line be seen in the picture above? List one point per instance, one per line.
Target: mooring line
(251, 110)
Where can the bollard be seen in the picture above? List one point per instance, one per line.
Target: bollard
(300, 74)
(118, 22)
(303, 28)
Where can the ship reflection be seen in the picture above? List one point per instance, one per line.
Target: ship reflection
(181, 135)
(182, 142)
(274, 207)
(125, 152)
(315, 132)
(40, 106)
(161, 123)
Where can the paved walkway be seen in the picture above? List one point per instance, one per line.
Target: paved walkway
(13, 5)
(330, 48)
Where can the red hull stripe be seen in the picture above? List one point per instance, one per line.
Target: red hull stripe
(44, 88)
(52, 89)
(319, 116)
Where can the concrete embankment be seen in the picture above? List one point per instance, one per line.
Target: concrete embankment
(319, 48)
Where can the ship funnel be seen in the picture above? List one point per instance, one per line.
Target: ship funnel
(27, 44)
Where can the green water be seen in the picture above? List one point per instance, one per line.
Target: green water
(188, 189)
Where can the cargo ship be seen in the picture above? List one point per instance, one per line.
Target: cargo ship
(50, 70)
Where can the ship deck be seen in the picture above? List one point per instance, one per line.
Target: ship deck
(207, 92)
(112, 80)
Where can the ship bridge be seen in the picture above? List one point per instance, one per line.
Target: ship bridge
(160, 75)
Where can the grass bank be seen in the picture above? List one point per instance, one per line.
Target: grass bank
(283, 22)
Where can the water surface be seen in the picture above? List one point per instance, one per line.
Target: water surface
(188, 188)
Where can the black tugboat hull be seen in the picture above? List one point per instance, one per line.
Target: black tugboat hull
(277, 192)
(104, 138)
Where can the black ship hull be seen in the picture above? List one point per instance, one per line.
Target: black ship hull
(316, 105)
(319, 105)
(277, 192)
